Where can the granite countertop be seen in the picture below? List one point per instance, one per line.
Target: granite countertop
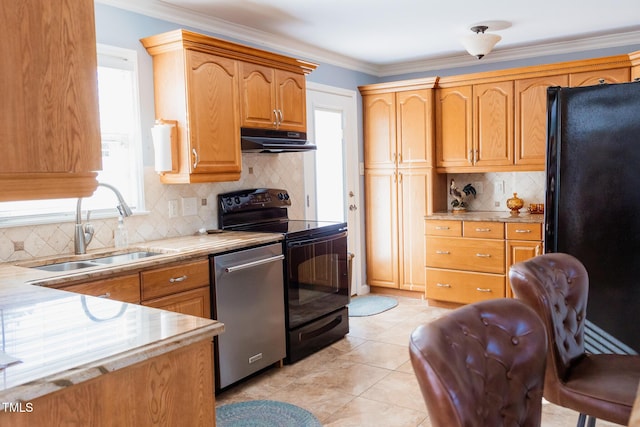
(523, 217)
(58, 338)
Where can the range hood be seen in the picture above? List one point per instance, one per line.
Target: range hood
(273, 141)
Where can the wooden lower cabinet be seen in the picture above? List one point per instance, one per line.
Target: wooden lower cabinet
(172, 389)
(196, 302)
(524, 241)
(122, 288)
(468, 261)
(180, 287)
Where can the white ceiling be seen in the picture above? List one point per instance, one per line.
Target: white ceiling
(395, 36)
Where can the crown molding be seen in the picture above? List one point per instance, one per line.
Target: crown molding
(168, 12)
(512, 54)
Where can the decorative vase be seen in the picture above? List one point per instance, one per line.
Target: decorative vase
(514, 204)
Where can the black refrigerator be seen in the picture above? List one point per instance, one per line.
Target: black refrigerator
(593, 203)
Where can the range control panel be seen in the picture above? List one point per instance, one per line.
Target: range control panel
(259, 198)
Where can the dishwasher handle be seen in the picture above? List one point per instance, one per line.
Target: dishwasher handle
(253, 264)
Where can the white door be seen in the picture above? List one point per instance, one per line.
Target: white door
(332, 181)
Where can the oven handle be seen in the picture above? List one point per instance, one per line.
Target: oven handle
(317, 239)
(253, 264)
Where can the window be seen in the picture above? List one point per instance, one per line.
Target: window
(121, 148)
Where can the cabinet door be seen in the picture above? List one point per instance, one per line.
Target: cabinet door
(412, 208)
(531, 119)
(381, 224)
(379, 117)
(493, 124)
(414, 128)
(258, 96)
(291, 100)
(454, 130)
(49, 109)
(590, 78)
(196, 302)
(214, 125)
(518, 251)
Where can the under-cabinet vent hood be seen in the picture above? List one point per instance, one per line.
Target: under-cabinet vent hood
(274, 141)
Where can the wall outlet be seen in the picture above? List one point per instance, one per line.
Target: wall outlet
(189, 206)
(173, 208)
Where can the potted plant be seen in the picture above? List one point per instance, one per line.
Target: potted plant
(459, 202)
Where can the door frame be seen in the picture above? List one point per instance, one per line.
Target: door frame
(352, 173)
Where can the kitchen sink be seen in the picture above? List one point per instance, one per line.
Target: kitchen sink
(96, 262)
(132, 256)
(67, 266)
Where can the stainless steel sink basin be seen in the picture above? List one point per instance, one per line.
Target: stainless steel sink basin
(67, 266)
(132, 256)
(95, 262)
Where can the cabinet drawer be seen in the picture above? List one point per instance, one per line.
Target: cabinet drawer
(123, 288)
(436, 227)
(520, 231)
(483, 255)
(483, 229)
(170, 280)
(463, 287)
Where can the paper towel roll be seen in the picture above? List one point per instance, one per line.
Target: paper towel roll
(161, 134)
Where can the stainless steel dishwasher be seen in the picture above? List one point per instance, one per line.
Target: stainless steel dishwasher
(248, 297)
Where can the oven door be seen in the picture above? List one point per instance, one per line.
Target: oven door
(317, 281)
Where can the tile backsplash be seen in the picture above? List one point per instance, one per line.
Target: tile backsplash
(259, 170)
(495, 188)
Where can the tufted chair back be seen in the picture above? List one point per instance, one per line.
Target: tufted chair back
(556, 286)
(482, 365)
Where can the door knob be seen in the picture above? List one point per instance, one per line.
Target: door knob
(353, 207)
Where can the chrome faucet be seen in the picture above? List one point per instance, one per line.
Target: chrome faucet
(84, 233)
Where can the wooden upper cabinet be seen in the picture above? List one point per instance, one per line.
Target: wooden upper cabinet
(590, 78)
(493, 124)
(454, 126)
(272, 98)
(379, 118)
(531, 119)
(213, 119)
(212, 88)
(50, 126)
(414, 128)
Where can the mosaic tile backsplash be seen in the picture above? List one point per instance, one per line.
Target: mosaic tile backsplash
(259, 170)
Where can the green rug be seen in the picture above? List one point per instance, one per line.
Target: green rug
(369, 305)
(264, 413)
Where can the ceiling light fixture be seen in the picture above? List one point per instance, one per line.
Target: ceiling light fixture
(480, 43)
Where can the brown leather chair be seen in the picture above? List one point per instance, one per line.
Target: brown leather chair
(482, 365)
(604, 386)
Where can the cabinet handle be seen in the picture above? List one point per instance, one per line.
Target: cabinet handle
(483, 255)
(475, 157)
(105, 295)
(443, 285)
(441, 227)
(178, 279)
(281, 117)
(483, 289)
(443, 252)
(483, 230)
(470, 158)
(523, 231)
(195, 158)
(275, 117)
(538, 250)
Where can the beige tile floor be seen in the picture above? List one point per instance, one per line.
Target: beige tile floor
(366, 378)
